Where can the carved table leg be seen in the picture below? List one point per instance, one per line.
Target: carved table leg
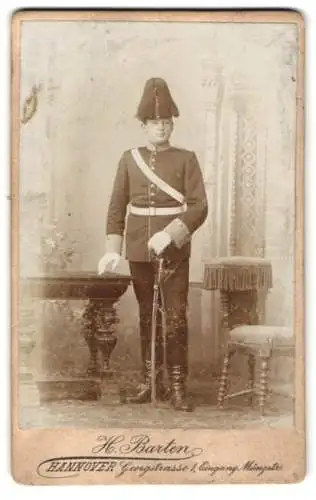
(263, 387)
(89, 328)
(99, 328)
(251, 369)
(106, 340)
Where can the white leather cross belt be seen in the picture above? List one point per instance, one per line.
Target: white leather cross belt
(149, 211)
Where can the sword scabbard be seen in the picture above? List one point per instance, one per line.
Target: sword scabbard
(158, 273)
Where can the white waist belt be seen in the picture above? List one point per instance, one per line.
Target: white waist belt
(158, 210)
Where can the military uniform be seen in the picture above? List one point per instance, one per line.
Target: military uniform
(138, 209)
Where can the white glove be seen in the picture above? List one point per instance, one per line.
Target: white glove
(108, 261)
(159, 241)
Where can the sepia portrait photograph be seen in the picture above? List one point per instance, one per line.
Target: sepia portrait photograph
(157, 255)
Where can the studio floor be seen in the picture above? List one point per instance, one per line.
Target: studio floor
(109, 413)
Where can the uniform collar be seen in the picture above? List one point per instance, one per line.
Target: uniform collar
(158, 149)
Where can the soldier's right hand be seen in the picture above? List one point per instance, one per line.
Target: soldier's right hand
(108, 262)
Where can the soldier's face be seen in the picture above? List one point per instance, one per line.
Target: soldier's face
(158, 131)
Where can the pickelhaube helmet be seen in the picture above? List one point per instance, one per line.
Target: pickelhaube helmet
(156, 101)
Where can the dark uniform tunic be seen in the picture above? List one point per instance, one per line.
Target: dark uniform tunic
(181, 170)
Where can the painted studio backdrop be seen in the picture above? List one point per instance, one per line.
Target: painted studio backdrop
(235, 87)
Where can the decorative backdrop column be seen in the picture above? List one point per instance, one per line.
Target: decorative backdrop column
(212, 86)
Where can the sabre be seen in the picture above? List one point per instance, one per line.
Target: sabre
(155, 308)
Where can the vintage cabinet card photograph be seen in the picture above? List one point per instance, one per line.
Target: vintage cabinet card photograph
(157, 247)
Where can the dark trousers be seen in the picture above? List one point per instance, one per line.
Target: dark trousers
(174, 289)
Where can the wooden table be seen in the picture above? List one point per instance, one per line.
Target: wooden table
(99, 319)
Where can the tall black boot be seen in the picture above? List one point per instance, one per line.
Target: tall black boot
(178, 398)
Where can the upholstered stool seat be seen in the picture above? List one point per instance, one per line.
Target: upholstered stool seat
(261, 335)
(259, 341)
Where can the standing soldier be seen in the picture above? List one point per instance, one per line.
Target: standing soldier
(164, 189)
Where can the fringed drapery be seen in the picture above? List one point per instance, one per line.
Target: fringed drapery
(233, 276)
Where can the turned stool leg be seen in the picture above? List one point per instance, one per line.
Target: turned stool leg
(223, 380)
(263, 385)
(251, 370)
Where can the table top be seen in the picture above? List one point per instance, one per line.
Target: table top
(75, 285)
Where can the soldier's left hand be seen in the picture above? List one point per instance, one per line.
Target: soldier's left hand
(159, 241)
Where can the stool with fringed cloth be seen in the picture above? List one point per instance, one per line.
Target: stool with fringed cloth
(243, 283)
